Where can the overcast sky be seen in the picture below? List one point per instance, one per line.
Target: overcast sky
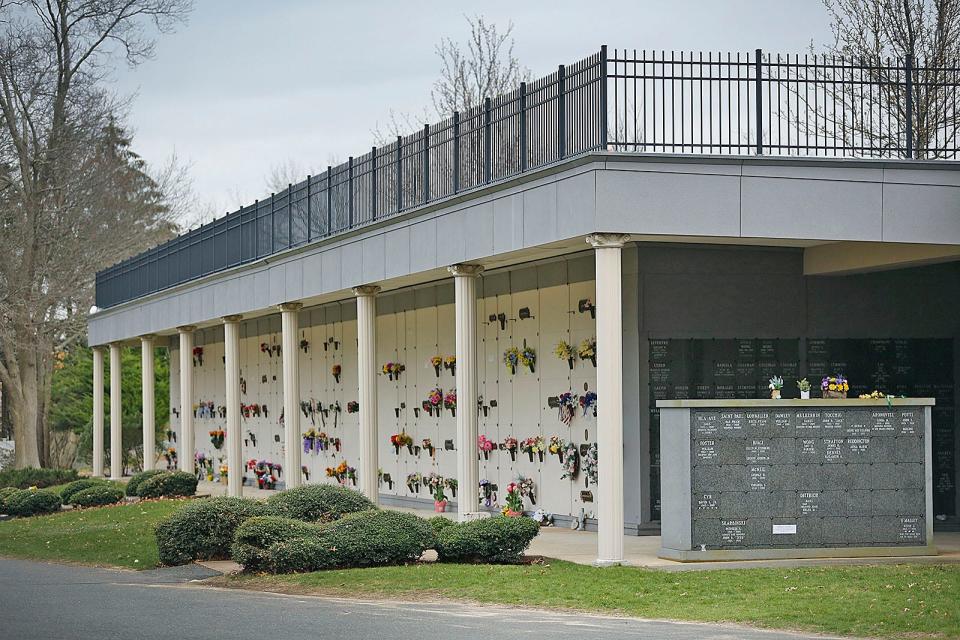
(247, 85)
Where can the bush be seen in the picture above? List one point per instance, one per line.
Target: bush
(137, 479)
(98, 495)
(67, 493)
(26, 502)
(497, 539)
(5, 493)
(439, 523)
(365, 539)
(40, 478)
(318, 503)
(203, 529)
(168, 484)
(253, 539)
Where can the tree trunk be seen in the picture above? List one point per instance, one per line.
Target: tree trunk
(24, 413)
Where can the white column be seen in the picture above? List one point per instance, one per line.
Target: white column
(607, 249)
(291, 392)
(149, 403)
(187, 441)
(468, 467)
(231, 340)
(97, 412)
(367, 397)
(116, 414)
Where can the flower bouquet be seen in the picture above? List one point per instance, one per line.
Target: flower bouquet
(309, 440)
(514, 503)
(565, 351)
(528, 358)
(336, 370)
(556, 447)
(216, 437)
(304, 345)
(450, 402)
(570, 461)
(305, 471)
(510, 445)
(533, 445)
(353, 406)
(525, 486)
(401, 440)
(488, 494)
(170, 455)
(427, 445)
(223, 472)
(834, 387)
(511, 358)
(485, 446)
(588, 350)
(393, 370)
(435, 483)
(450, 363)
(451, 483)
(589, 401)
(776, 387)
(198, 356)
(567, 407)
(434, 401)
(437, 362)
(414, 480)
(590, 464)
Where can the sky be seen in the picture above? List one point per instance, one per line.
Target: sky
(248, 85)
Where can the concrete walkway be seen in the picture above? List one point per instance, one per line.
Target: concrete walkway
(641, 551)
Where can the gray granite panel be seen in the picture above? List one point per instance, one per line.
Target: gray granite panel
(758, 424)
(733, 477)
(705, 424)
(857, 424)
(807, 423)
(809, 477)
(883, 422)
(707, 478)
(732, 451)
(833, 450)
(706, 504)
(808, 450)
(883, 449)
(858, 449)
(706, 451)
(733, 424)
(782, 425)
(910, 422)
(783, 451)
(909, 449)
(844, 531)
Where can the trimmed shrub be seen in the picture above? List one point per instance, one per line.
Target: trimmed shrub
(26, 502)
(203, 529)
(365, 539)
(253, 539)
(5, 493)
(318, 503)
(439, 523)
(33, 477)
(67, 493)
(498, 539)
(98, 495)
(137, 479)
(168, 484)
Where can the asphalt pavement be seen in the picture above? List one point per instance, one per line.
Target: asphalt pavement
(52, 602)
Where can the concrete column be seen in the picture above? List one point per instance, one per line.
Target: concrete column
(149, 403)
(187, 441)
(116, 414)
(607, 249)
(231, 341)
(367, 375)
(97, 412)
(468, 468)
(291, 392)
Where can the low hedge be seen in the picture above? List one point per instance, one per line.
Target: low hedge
(33, 477)
(439, 523)
(137, 479)
(318, 503)
(32, 502)
(168, 484)
(67, 493)
(98, 495)
(498, 540)
(203, 529)
(253, 539)
(5, 493)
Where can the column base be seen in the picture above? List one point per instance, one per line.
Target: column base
(473, 515)
(607, 563)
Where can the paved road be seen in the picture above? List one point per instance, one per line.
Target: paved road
(54, 601)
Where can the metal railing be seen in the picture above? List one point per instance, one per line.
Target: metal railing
(739, 104)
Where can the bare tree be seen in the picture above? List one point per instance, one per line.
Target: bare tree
(877, 30)
(73, 195)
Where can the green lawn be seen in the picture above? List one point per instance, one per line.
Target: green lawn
(885, 600)
(119, 536)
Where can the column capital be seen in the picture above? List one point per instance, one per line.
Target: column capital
(187, 328)
(290, 306)
(235, 317)
(608, 240)
(148, 337)
(468, 270)
(99, 347)
(366, 290)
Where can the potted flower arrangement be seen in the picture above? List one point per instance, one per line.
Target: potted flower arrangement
(565, 351)
(588, 401)
(393, 370)
(590, 464)
(588, 350)
(401, 440)
(435, 483)
(511, 358)
(533, 445)
(427, 445)
(450, 402)
(434, 402)
(556, 447)
(510, 445)
(567, 407)
(170, 455)
(570, 461)
(804, 387)
(437, 362)
(451, 483)
(223, 471)
(834, 387)
(514, 503)
(776, 385)
(528, 358)
(353, 406)
(450, 363)
(216, 437)
(336, 370)
(414, 480)
(485, 446)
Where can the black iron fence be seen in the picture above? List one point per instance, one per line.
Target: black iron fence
(627, 101)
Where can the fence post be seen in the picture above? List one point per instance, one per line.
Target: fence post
(289, 215)
(373, 183)
(910, 149)
(561, 113)
(273, 223)
(309, 213)
(456, 151)
(759, 100)
(603, 98)
(487, 143)
(522, 98)
(426, 163)
(329, 203)
(399, 174)
(350, 193)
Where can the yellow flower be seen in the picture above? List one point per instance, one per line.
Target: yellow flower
(833, 387)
